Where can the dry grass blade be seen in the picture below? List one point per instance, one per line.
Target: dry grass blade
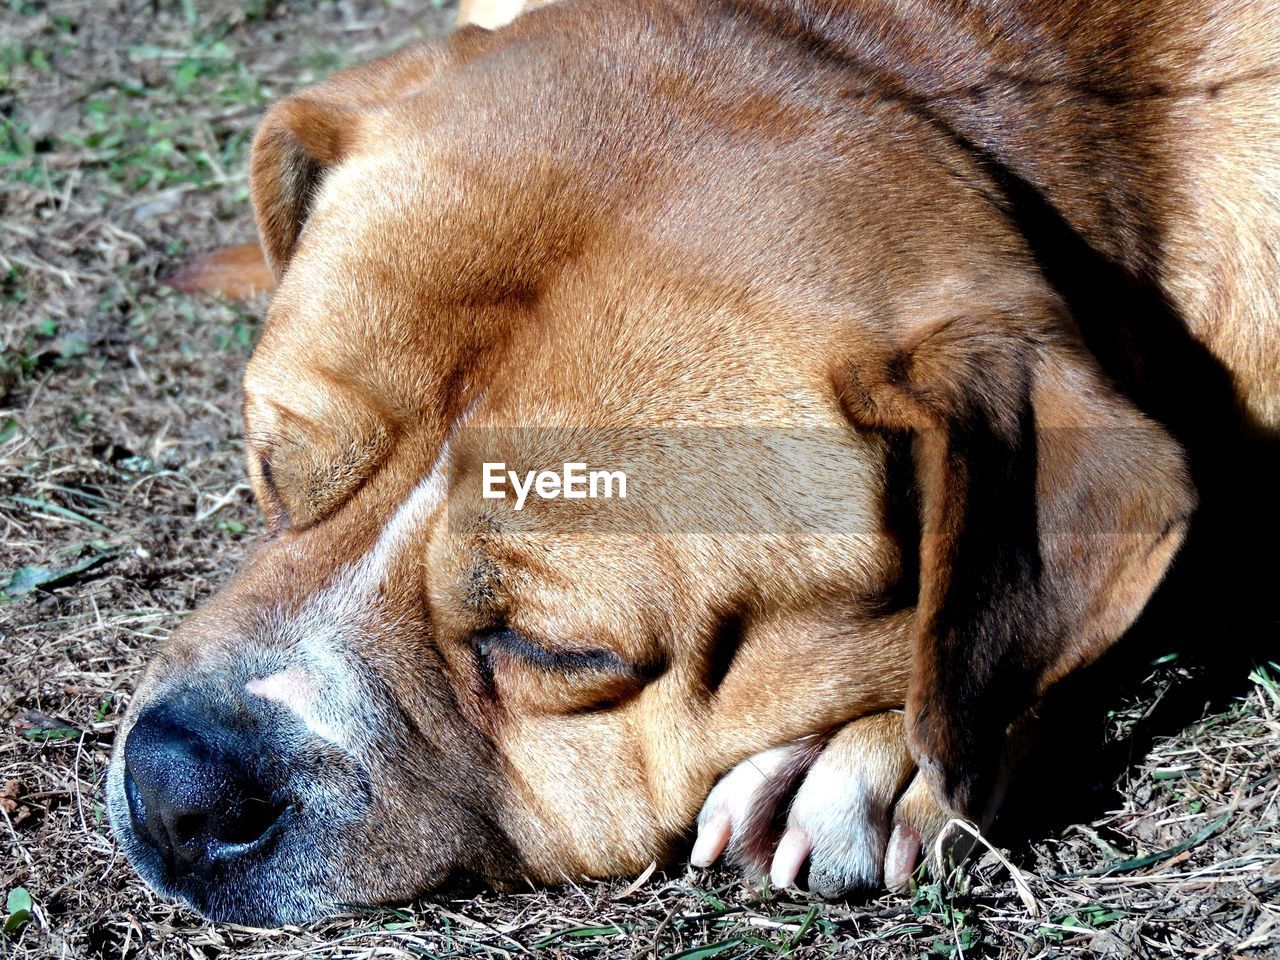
(1019, 881)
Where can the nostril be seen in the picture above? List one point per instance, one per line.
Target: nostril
(254, 818)
(186, 827)
(139, 814)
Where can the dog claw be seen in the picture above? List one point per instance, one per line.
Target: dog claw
(713, 837)
(901, 857)
(793, 850)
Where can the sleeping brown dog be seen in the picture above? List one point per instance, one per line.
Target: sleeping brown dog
(811, 277)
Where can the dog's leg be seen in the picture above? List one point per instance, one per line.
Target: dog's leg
(851, 807)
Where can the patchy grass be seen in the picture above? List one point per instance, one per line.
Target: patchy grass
(123, 132)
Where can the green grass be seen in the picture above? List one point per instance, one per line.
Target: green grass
(169, 130)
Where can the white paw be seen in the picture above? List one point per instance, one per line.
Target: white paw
(842, 807)
(839, 820)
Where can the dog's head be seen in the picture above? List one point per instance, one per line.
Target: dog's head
(867, 464)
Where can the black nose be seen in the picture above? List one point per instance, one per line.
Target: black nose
(190, 792)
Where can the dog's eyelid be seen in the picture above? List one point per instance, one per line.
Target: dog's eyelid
(277, 513)
(551, 658)
(268, 474)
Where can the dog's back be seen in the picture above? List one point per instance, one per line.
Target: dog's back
(1138, 143)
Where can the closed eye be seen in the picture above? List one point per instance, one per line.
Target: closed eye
(552, 660)
(273, 505)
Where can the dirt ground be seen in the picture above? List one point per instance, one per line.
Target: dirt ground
(123, 133)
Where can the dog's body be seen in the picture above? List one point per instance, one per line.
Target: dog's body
(965, 265)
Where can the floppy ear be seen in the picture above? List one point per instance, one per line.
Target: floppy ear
(306, 135)
(298, 141)
(1050, 509)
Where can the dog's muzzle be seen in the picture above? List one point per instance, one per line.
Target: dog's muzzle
(229, 802)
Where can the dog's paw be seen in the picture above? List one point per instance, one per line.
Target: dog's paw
(852, 808)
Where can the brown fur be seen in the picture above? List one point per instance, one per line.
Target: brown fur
(755, 840)
(986, 235)
(236, 272)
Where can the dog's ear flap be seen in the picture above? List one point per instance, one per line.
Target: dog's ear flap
(1050, 510)
(300, 138)
(309, 133)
